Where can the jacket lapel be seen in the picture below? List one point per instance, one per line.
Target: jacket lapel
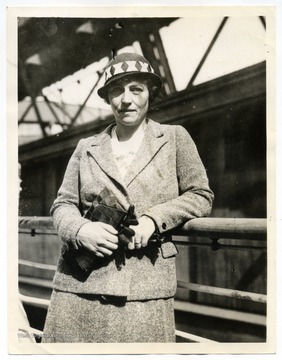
(153, 141)
(101, 151)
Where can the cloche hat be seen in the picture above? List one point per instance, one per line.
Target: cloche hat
(129, 64)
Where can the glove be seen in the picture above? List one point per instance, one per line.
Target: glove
(110, 214)
(125, 232)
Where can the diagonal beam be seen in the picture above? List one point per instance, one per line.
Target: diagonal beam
(73, 120)
(32, 93)
(25, 113)
(207, 52)
(41, 123)
(62, 109)
(52, 110)
(153, 49)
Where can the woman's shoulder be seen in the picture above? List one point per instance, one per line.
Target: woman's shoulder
(176, 134)
(178, 130)
(85, 142)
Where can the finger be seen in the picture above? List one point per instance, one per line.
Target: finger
(144, 242)
(109, 228)
(138, 242)
(105, 251)
(95, 251)
(112, 238)
(131, 245)
(110, 246)
(131, 210)
(123, 239)
(99, 254)
(107, 243)
(129, 222)
(100, 250)
(128, 232)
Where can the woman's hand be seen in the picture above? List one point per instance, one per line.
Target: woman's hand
(99, 238)
(143, 231)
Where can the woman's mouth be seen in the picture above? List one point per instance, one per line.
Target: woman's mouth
(123, 111)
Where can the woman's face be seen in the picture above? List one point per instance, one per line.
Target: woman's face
(129, 100)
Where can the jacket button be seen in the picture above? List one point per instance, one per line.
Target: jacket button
(164, 226)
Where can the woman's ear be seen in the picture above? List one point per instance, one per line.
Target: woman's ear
(154, 89)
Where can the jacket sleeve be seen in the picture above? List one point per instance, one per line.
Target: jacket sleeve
(195, 197)
(65, 209)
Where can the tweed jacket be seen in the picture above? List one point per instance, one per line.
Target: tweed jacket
(166, 181)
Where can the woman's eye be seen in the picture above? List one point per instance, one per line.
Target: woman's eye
(136, 90)
(116, 91)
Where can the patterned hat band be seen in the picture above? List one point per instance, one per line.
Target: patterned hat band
(127, 66)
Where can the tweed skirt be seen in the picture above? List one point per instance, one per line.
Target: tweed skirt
(84, 318)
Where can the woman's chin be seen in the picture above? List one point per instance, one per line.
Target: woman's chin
(127, 121)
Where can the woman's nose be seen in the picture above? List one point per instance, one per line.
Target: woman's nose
(126, 96)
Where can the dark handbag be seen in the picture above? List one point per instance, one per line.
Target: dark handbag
(105, 208)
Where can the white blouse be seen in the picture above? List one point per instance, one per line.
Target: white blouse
(124, 151)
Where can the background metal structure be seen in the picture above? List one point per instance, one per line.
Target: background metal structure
(49, 49)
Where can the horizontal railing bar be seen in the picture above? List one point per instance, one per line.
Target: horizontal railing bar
(36, 222)
(30, 231)
(237, 294)
(241, 247)
(227, 314)
(216, 228)
(195, 338)
(222, 246)
(38, 230)
(44, 283)
(30, 300)
(244, 295)
(37, 265)
(228, 228)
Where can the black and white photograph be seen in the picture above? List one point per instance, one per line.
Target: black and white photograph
(142, 175)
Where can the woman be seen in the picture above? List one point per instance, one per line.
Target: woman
(157, 169)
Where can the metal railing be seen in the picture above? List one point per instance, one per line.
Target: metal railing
(249, 233)
(213, 228)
